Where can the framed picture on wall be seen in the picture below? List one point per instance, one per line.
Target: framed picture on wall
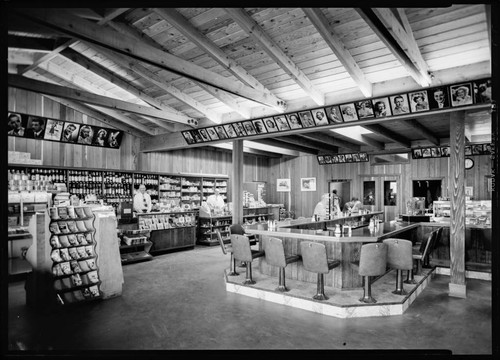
(114, 138)
(204, 134)
(221, 132)
(417, 153)
(435, 152)
(283, 185)
(196, 136)
(381, 107)
(321, 159)
(348, 112)
(230, 130)
(328, 159)
(365, 109)
(334, 114)
(445, 151)
(249, 128)
(100, 136)
(70, 132)
(188, 137)
(308, 184)
(212, 133)
(439, 98)
(35, 128)
(419, 101)
(85, 135)
(270, 124)
(306, 119)
(239, 129)
(348, 157)
(282, 123)
(399, 104)
(363, 157)
(319, 117)
(294, 121)
(54, 128)
(461, 94)
(259, 126)
(482, 91)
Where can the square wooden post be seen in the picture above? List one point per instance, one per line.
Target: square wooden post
(237, 191)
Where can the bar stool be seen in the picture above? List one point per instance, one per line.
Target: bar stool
(243, 252)
(237, 229)
(419, 253)
(275, 255)
(227, 248)
(372, 262)
(399, 257)
(315, 260)
(434, 245)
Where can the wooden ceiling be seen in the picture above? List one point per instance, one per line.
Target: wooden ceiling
(154, 72)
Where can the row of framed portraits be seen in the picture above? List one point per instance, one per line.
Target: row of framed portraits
(444, 151)
(342, 158)
(41, 128)
(441, 97)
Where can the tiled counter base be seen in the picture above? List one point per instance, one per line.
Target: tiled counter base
(341, 303)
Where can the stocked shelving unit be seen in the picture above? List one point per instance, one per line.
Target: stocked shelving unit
(207, 227)
(134, 246)
(191, 192)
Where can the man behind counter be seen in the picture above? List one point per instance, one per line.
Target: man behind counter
(142, 200)
(215, 201)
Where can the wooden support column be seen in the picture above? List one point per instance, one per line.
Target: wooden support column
(237, 190)
(456, 171)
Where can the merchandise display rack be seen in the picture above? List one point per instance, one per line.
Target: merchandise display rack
(74, 268)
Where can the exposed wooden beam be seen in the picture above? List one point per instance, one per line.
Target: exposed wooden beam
(305, 142)
(248, 150)
(188, 30)
(403, 34)
(150, 76)
(62, 46)
(370, 142)
(253, 29)
(175, 116)
(227, 99)
(80, 95)
(385, 36)
(330, 140)
(422, 130)
(30, 43)
(379, 129)
(320, 22)
(126, 45)
(286, 145)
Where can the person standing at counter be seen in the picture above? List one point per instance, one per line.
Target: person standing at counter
(142, 200)
(352, 206)
(320, 210)
(215, 201)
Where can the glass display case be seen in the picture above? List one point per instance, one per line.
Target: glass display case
(477, 212)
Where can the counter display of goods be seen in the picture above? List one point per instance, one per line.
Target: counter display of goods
(477, 212)
(134, 245)
(74, 258)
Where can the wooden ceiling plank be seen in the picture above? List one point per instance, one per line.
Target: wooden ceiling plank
(188, 30)
(303, 141)
(379, 129)
(42, 87)
(228, 100)
(248, 150)
(278, 143)
(385, 36)
(272, 49)
(403, 34)
(320, 22)
(330, 140)
(30, 43)
(373, 143)
(126, 45)
(175, 116)
(150, 76)
(422, 130)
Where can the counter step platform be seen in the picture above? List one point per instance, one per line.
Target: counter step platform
(341, 303)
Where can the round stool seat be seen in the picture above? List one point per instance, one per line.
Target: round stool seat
(373, 259)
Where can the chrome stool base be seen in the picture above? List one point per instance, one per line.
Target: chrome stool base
(233, 273)
(410, 279)
(367, 292)
(248, 282)
(399, 283)
(320, 297)
(282, 288)
(368, 300)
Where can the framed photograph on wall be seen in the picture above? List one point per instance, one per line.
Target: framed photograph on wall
(445, 151)
(283, 185)
(230, 130)
(70, 132)
(16, 124)
(419, 101)
(250, 130)
(417, 153)
(259, 126)
(482, 91)
(334, 114)
(308, 184)
(212, 133)
(100, 136)
(369, 193)
(221, 133)
(195, 133)
(363, 157)
(294, 121)
(204, 134)
(335, 159)
(341, 158)
(439, 98)
(399, 104)
(270, 124)
(321, 159)
(348, 112)
(348, 158)
(328, 159)
(426, 152)
(365, 109)
(282, 123)
(355, 157)
(381, 107)
(461, 94)
(114, 138)
(306, 119)
(320, 117)
(35, 127)
(239, 129)
(54, 129)
(85, 135)
(468, 150)
(435, 152)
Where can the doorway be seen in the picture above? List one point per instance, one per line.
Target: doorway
(429, 189)
(343, 187)
(381, 193)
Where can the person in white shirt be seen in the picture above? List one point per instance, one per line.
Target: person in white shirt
(142, 200)
(215, 201)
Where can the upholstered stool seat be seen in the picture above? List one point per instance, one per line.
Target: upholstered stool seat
(372, 262)
(420, 253)
(314, 259)
(242, 252)
(399, 257)
(227, 249)
(275, 255)
(237, 229)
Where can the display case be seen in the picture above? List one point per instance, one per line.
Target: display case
(190, 192)
(257, 215)
(477, 212)
(170, 190)
(73, 254)
(134, 245)
(207, 227)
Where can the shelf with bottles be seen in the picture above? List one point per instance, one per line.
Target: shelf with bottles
(35, 179)
(170, 188)
(73, 254)
(150, 181)
(84, 182)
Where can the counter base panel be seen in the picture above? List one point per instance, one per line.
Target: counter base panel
(342, 303)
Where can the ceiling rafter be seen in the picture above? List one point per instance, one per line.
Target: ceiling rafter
(379, 129)
(279, 142)
(188, 30)
(30, 43)
(150, 76)
(422, 130)
(306, 142)
(97, 69)
(248, 150)
(42, 87)
(330, 140)
(320, 22)
(393, 45)
(88, 86)
(253, 29)
(126, 45)
(66, 44)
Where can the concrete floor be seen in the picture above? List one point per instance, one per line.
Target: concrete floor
(178, 301)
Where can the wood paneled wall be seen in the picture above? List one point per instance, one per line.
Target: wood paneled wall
(206, 161)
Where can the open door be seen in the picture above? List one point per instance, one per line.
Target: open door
(343, 188)
(381, 193)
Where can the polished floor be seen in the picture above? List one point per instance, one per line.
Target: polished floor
(178, 301)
